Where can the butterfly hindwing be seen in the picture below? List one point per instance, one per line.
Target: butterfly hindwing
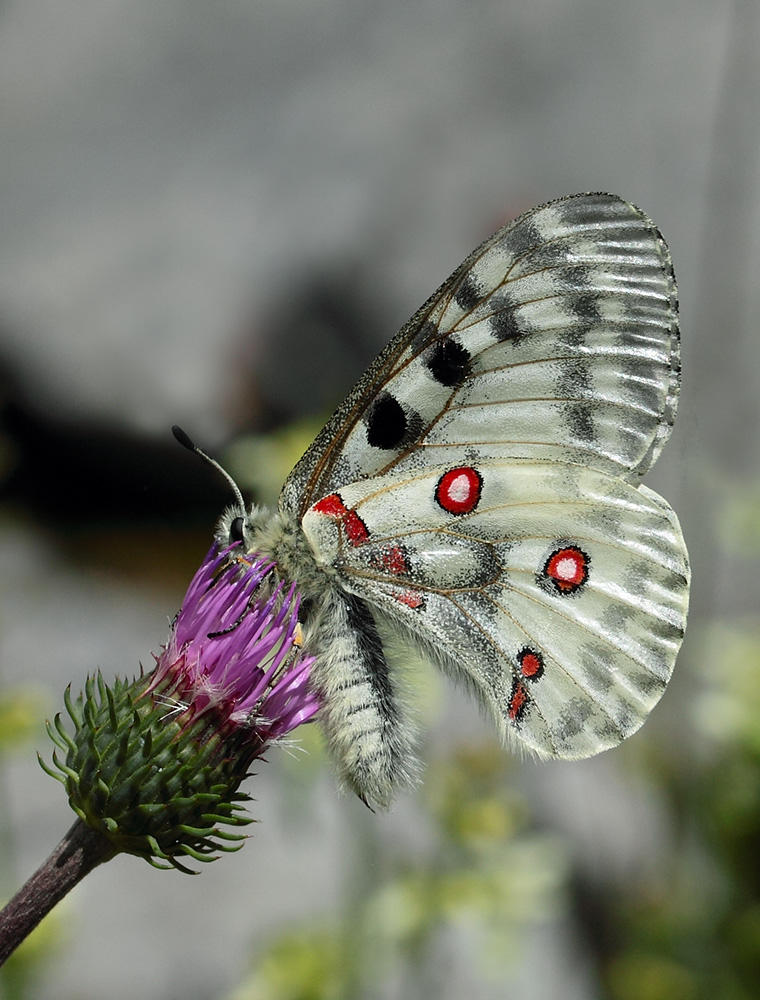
(558, 592)
(556, 339)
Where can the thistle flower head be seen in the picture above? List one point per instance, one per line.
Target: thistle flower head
(232, 654)
(155, 763)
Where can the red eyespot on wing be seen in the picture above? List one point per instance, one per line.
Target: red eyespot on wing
(356, 529)
(567, 569)
(531, 663)
(518, 701)
(458, 490)
(393, 560)
(332, 505)
(411, 600)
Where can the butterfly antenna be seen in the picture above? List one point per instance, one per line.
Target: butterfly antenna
(186, 442)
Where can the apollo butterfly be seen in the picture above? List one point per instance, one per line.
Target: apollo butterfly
(479, 492)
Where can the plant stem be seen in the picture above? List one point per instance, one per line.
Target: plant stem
(81, 850)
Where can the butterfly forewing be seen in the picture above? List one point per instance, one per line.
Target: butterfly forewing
(557, 339)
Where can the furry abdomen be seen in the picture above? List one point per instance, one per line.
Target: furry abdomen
(367, 732)
(360, 714)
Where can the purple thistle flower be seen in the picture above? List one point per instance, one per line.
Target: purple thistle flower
(154, 764)
(232, 652)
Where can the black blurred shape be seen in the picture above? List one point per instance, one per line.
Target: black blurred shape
(319, 335)
(85, 474)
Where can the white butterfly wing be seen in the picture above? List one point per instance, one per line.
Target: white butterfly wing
(558, 592)
(478, 487)
(557, 339)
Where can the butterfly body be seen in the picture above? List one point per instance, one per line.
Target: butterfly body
(478, 493)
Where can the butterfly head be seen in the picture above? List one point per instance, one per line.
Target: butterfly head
(236, 531)
(236, 525)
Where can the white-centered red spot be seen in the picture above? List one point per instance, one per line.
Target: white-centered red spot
(567, 569)
(531, 663)
(458, 490)
(332, 505)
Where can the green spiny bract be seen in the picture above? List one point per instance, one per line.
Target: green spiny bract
(154, 781)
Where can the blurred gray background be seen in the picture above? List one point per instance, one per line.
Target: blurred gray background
(200, 202)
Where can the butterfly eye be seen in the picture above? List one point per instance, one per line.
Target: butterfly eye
(304, 609)
(236, 530)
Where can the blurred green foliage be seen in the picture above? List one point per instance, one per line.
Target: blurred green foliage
(21, 974)
(487, 878)
(260, 463)
(739, 524)
(697, 935)
(21, 710)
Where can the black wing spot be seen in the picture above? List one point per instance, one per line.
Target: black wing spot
(580, 420)
(468, 294)
(428, 331)
(585, 306)
(504, 323)
(522, 237)
(575, 379)
(386, 423)
(448, 362)
(504, 326)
